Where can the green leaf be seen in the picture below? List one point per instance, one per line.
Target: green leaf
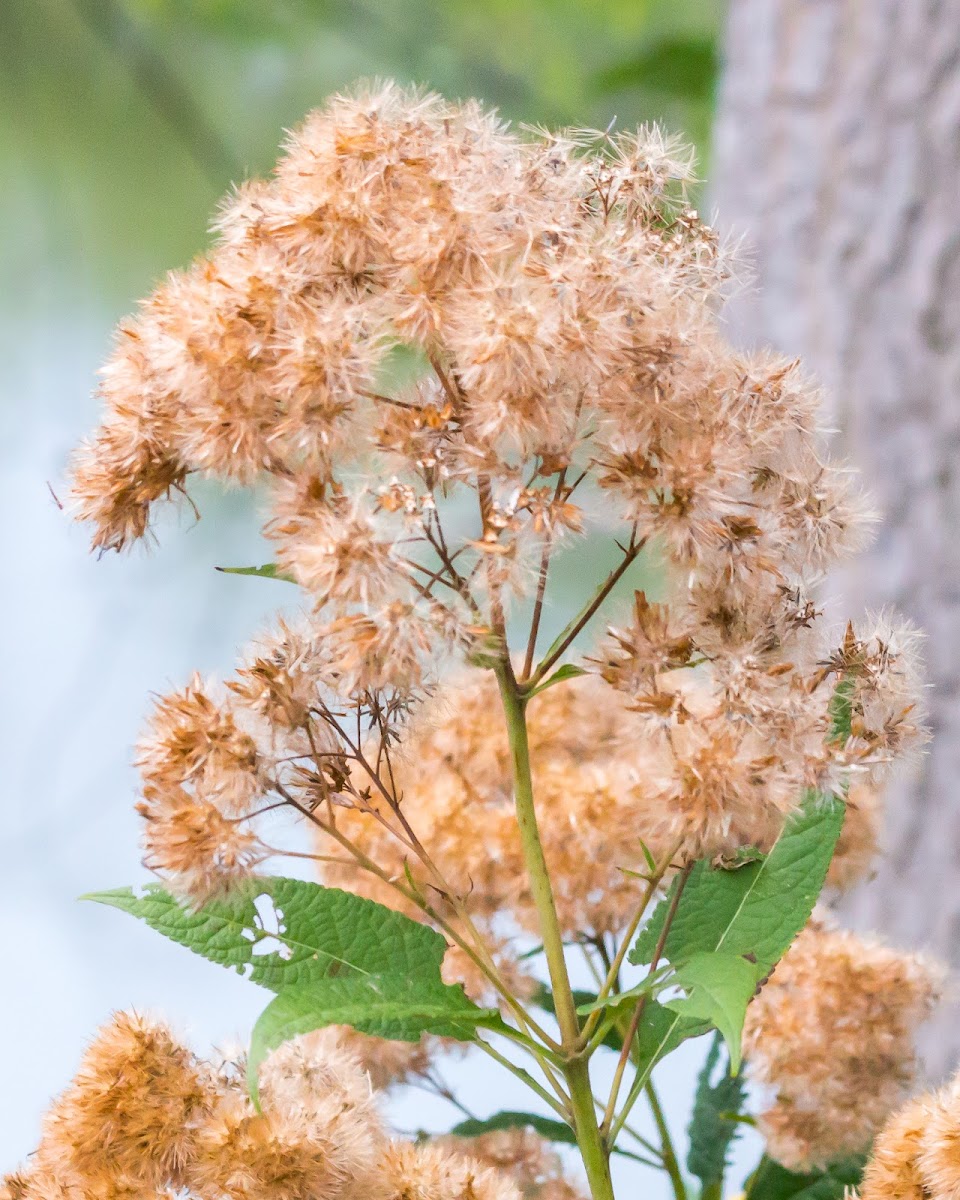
(567, 671)
(730, 929)
(648, 855)
(267, 571)
(758, 908)
(625, 1000)
(684, 67)
(714, 1122)
(543, 998)
(661, 1032)
(332, 957)
(719, 987)
(281, 932)
(391, 1005)
(553, 1131)
(770, 1181)
(840, 710)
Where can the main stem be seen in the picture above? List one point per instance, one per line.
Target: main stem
(593, 1149)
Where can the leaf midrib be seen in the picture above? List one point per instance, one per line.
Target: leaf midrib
(750, 890)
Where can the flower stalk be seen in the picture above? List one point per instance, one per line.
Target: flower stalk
(555, 299)
(576, 1071)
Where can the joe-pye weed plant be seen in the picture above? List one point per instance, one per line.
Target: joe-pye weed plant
(450, 352)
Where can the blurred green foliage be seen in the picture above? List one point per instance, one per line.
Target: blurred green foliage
(122, 120)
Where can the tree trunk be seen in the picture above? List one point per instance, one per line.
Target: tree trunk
(837, 155)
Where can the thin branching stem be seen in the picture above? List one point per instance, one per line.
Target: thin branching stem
(613, 970)
(545, 567)
(559, 1105)
(641, 1004)
(586, 614)
(668, 1152)
(482, 961)
(643, 1073)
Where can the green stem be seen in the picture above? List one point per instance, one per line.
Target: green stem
(669, 1154)
(540, 887)
(575, 1070)
(593, 1149)
(628, 1047)
(568, 635)
(492, 1052)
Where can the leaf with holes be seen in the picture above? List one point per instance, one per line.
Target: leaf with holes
(758, 908)
(339, 959)
(389, 1005)
(283, 932)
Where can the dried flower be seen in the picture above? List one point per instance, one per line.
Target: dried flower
(132, 1110)
(893, 1172)
(831, 1033)
(522, 1156)
(193, 742)
(283, 1153)
(202, 852)
(431, 1172)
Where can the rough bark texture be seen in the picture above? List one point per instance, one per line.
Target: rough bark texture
(837, 154)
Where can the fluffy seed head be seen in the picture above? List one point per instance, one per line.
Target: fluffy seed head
(131, 1112)
(831, 1034)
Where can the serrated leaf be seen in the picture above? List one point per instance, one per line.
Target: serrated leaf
(757, 909)
(567, 671)
(310, 932)
(340, 959)
(840, 711)
(267, 571)
(390, 1005)
(771, 1181)
(714, 1122)
(554, 1131)
(719, 987)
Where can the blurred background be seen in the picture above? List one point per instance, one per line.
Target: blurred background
(831, 133)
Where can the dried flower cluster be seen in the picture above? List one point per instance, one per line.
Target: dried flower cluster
(523, 1157)
(832, 1036)
(446, 351)
(559, 302)
(917, 1154)
(145, 1117)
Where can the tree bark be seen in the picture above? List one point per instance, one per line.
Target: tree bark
(837, 155)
